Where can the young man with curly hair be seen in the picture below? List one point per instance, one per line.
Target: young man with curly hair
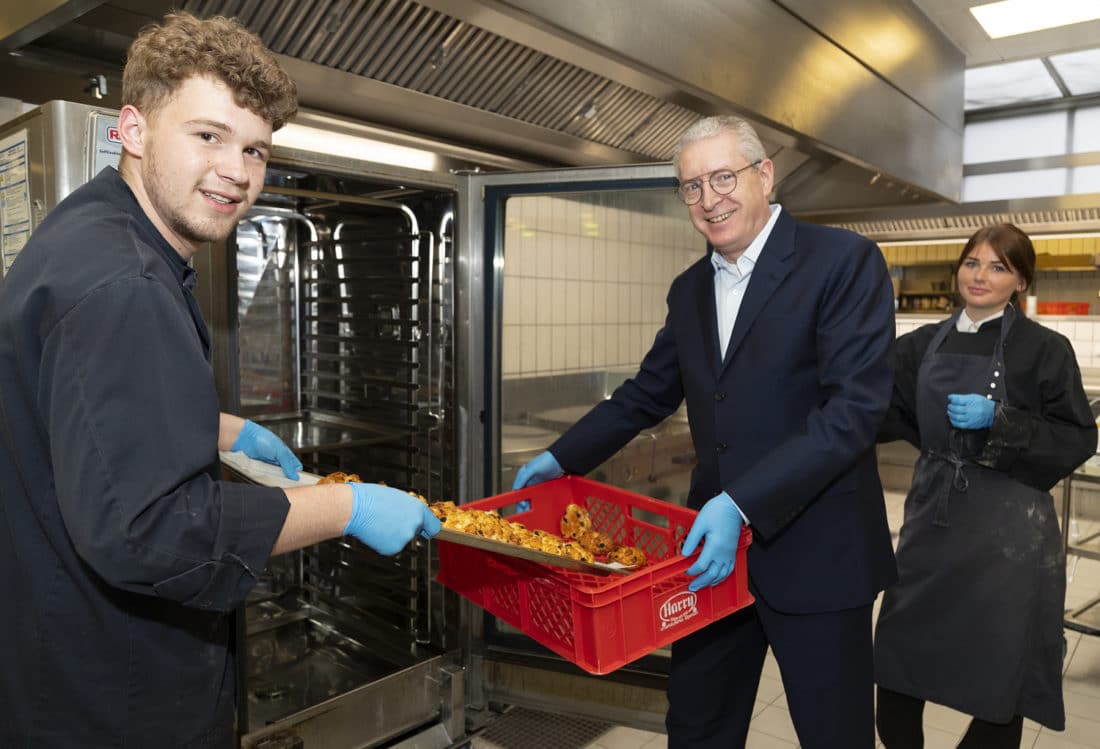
(123, 553)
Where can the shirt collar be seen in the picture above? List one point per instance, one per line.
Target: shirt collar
(751, 255)
(966, 325)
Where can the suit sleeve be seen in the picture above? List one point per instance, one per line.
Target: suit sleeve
(654, 393)
(854, 335)
(1042, 443)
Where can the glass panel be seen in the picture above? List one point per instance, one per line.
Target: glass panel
(1033, 184)
(1086, 130)
(266, 312)
(1015, 138)
(1085, 179)
(1008, 83)
(585, 279)
(1079, 70)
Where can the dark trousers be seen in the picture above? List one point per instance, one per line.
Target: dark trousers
(900, 720)
(825, 661)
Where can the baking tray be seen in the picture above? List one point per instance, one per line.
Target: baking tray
(316, 431)
(262, 473)
(271, 475)
(533, 555)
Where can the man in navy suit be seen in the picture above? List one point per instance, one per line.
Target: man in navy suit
(779, 339)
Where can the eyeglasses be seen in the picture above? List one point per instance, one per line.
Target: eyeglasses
(723, 182)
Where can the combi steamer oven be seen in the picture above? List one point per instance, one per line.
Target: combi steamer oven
(338, 306)
(359, 311)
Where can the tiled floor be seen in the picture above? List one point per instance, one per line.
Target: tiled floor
(772, 729)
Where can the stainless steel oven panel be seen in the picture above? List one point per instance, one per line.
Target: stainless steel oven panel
(506, 667)
(635, 700)
(428, 695)
(338, 311)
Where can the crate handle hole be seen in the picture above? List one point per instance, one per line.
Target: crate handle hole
(649, 517)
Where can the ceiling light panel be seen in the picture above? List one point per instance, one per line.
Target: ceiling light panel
(1011, 17)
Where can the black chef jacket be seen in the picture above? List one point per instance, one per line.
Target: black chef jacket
(1045, 431)
(120, 550)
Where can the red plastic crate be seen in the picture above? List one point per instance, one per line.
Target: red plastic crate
(598, 622)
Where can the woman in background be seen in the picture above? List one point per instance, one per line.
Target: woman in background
(995, 404)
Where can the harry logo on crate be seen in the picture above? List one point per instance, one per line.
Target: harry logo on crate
(678, 609)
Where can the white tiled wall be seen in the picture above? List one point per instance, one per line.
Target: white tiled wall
(585, 284)
(1082, 332)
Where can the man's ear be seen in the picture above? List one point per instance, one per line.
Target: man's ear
(131, 129)
(767, 175)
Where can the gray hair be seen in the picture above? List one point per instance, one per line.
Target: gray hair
(751, 147)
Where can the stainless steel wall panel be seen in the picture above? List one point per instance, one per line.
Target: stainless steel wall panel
(23, 22)
(398, 107)
(755, 57)
(897, 41)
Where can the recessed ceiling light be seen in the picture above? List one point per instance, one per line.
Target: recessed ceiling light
(1010, 17)
(350, 146)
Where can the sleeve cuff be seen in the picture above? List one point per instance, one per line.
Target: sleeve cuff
(744, 517)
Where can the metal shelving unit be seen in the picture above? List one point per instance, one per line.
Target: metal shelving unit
(1086, 617)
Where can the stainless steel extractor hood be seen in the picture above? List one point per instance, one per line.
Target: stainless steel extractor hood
(859, 101)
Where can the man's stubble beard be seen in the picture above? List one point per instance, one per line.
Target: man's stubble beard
(187, 227)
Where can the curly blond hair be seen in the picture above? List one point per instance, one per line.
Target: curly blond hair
(165, 55)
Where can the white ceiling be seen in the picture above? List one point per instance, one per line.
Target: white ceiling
(954, 19)
(1044, 66)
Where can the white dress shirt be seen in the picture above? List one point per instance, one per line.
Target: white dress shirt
(965, 325)
(730, 282)
(732, 279)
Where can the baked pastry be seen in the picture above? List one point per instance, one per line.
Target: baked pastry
(579, 540)
(339, 477)
(575, 521)
(596, 542)
(629, 556)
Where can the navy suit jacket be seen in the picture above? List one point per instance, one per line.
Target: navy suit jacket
(786, 423)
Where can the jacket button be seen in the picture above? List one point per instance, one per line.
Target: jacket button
(720, 447)
(719, 396)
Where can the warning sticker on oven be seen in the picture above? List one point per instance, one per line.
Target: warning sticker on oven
(677, 609)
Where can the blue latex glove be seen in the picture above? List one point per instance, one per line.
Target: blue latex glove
(257, 442)
(542, 467)
(719, 526)
(386, 519)
(970, 411)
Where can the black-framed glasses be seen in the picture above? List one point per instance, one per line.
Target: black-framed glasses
(723, 182)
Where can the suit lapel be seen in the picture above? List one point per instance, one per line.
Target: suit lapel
(772, 267)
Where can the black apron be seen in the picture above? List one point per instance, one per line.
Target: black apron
(975, 619)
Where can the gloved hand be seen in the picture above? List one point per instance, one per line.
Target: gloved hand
(542, 467)
(970, 411)
(386, 519)
(719, 526)
(257, 442)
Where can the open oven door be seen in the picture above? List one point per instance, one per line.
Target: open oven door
(560, 288)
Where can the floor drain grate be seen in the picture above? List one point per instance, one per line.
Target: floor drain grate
(531, 729)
